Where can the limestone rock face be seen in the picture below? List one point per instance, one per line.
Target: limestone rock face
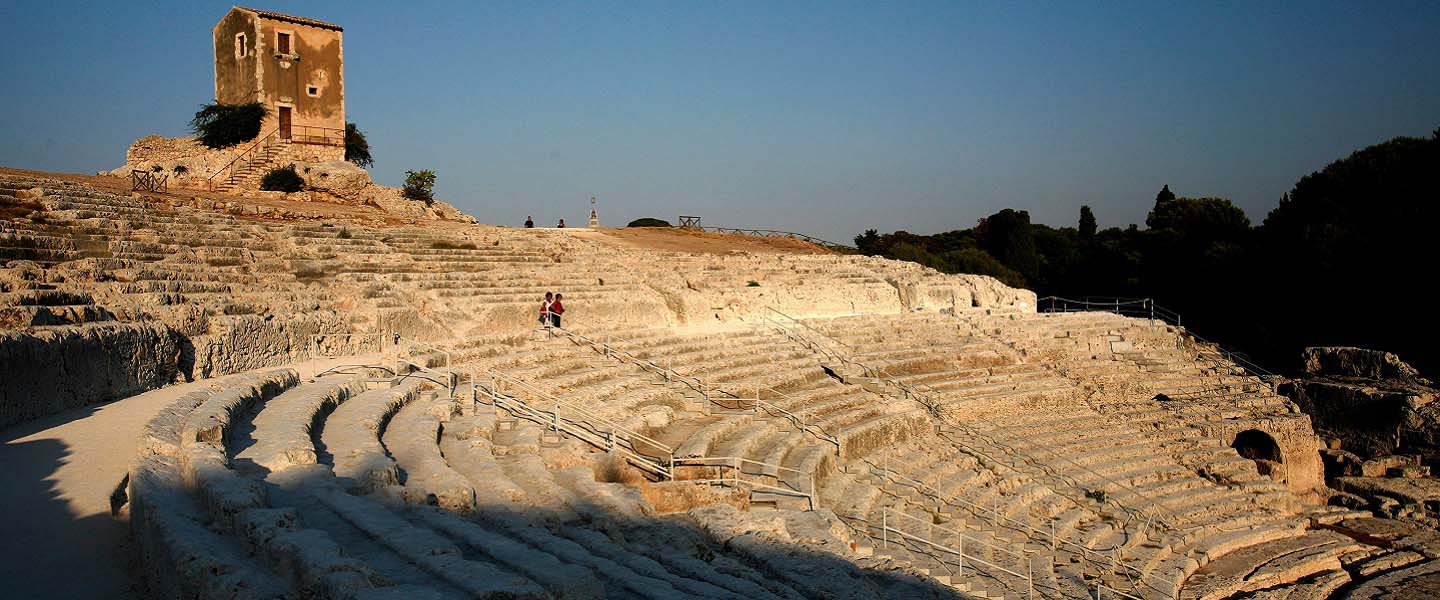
(1344, 361)
(338, 177)
(1360, 397)
(199, 162)
(66, 367)
(392, 201)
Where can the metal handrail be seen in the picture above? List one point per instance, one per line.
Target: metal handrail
(583, 430)
(431, 347)
(887, 512)
(498, 376)
(938, 411)
(230, 166)
(799, 423)
(698, 385)
(977, 510)
(586, 429)
(776, 233)
(812, 345)
(326, 136)
(1085, 552)
(1147, 306)
(886, 530)
(807, 326)
(737, 465)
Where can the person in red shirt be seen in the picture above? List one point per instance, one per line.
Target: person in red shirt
(556, 309)
(545, 310)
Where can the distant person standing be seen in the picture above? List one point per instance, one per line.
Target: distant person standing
(562, 224)
(530, 222)
(556, 309)
(545, 310)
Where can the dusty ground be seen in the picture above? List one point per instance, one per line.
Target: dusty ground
(57, 538)
(689, 240)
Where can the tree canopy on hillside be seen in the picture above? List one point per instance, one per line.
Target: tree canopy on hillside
(1332, 265)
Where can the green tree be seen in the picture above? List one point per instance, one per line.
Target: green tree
(649, 222)
(283, 179)
(1164, 196)
(916, 254)
(420, 185)
(1199, 218)
(357, 148)
(1087, 224)
(978, 262)
(1354, 240)
(1008, 236)
(223, 125)
(868, 243)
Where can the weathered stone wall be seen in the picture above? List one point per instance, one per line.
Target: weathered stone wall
(167, 153)
(1370, 402)
(1365, 419)
(315, 60)
(1299, 448)
(62, 368)
(251, 342)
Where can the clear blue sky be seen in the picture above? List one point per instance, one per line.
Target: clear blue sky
(821, 117)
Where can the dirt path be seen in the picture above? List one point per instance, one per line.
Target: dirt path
(57, 538)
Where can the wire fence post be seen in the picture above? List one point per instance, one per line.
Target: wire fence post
(961, 569)
(885, 527)
(1030, 577)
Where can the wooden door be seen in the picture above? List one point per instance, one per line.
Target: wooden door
(284, 122)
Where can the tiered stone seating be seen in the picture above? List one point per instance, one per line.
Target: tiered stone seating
(1080, 448)
(254, 461)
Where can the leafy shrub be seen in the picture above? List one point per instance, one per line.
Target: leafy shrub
(180, 169)
(752, 283)
(222, 125)
(344, 234)
(449, 245)
(420, 185)
(156, 168)
(357, 149)
(649, 222)
(283, 179)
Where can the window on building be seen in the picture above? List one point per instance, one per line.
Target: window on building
(282, 43)
(240, 50)
(312, 91)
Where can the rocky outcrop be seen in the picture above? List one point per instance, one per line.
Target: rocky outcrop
(1350, 362)
(337, 177)
(1369, 402)
(64, 367)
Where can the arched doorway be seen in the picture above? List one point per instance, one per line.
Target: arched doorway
(1258, 446)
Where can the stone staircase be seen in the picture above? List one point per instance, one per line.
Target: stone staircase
(272, 153)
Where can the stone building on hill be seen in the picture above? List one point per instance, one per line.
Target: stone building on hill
(294, 67)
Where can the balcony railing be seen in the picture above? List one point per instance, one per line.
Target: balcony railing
(323, 136)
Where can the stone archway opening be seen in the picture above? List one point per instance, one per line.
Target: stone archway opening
(1258, 446)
